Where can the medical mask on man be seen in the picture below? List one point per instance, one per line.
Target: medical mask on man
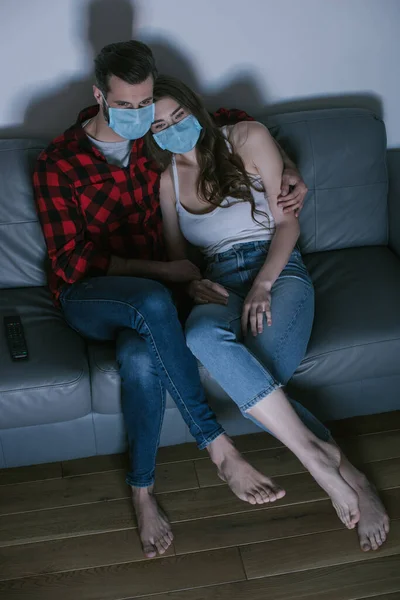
(181, 137)
(130, 123)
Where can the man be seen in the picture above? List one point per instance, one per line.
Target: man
(97, 197)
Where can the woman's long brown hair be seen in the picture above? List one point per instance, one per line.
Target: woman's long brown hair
(222, 172)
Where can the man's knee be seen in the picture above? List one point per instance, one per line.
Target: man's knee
(158, 301)
(133, 358)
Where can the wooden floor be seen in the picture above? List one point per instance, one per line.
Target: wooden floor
(67, 531)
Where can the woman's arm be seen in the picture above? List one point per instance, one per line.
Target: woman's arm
(200, 290)
(174, 240)
(260, 155)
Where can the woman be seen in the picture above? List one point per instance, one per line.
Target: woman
(253, 319)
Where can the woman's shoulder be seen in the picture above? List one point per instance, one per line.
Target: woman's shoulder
(246, 132)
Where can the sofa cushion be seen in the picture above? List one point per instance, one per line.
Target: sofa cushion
(341, 154)
(53, 385)
(22, 247)
(356, 332)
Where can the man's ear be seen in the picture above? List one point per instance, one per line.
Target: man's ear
(98, 95)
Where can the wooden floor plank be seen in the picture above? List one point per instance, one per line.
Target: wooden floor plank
(71, 553)
(280, 461)
(312, 551)
(85, 519)
(92, 488)
(32, 473)
(264, 525)
(390, 596)
(185, 505)
(130, 579)
(343, 582)
(366, 424)
(95, 464)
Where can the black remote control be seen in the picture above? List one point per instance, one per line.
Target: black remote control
(15, 338)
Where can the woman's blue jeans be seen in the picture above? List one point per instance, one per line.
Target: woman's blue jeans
(250, 368)
(140, 315)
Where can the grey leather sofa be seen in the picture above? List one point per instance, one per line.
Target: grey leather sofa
(64, 402)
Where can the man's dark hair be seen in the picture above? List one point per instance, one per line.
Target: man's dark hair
(131, 61)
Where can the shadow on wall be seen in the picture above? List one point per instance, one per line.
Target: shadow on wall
(113, 20)
(51, 113)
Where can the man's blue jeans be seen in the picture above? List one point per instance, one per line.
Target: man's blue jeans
(139, 314)
(250, 368)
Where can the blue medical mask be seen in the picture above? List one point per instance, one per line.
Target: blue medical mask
(181, 137)
(130, 123)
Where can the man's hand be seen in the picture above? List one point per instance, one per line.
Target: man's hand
(181, 271)
(293, 191)
(205, 291)
(257, 302)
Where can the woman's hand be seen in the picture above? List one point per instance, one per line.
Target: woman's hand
(181, 271)
(257, 302)
(205, 291)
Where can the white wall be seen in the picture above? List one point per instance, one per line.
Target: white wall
(284, 54)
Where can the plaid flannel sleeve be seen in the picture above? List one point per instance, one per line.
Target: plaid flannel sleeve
(72, 256)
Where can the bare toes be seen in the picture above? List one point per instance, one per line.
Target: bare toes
(365, 545)
(160, 547)
(386, 524)
(258, 497)
(265, 496)
(149, 551)
(280, 493)
(251, 499)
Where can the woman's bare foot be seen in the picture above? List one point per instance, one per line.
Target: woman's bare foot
(323, 460)
(154, 528)
(373, 526)
(245, 481)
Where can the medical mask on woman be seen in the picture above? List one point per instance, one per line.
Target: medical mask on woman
(181, 137)
(130, 123)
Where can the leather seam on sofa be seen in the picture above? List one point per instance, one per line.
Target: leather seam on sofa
(346, 187)
(313, 356)
(18, 222)
(368, 114)
(50, 385)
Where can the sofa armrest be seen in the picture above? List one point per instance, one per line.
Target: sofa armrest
(393, 161)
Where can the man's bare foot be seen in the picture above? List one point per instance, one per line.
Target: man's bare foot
(245, 482)
(154, 528)
(373, 526)
(323, 460)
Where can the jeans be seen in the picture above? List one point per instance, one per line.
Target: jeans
(139, 314)
(250, 368)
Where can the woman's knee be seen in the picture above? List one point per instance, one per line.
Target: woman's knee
(202, 328)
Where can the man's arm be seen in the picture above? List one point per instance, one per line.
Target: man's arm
(72, 256)
(293, 188)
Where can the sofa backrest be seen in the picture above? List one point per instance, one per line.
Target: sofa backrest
(22, 247)
(342, 157)
(340, 152)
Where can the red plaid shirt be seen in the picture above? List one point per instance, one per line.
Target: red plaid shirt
(90, 209)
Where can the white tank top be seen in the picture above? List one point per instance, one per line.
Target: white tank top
(221, 228)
